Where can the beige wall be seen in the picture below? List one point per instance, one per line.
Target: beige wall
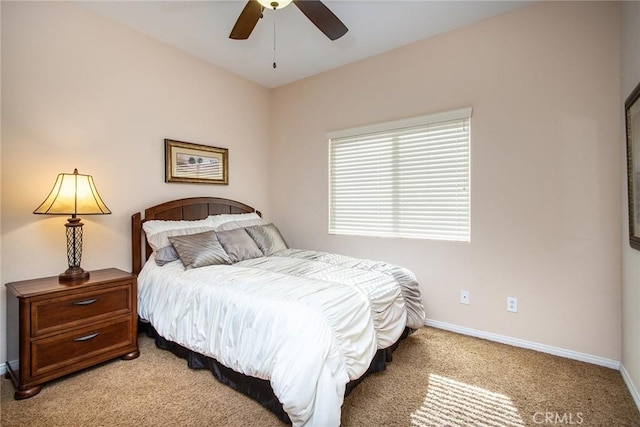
(81, 92)
(544, 85)
(630, 71)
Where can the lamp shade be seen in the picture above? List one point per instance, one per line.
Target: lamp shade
(73, 194)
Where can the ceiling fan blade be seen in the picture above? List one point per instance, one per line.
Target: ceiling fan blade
(322, 17)
(247, 21)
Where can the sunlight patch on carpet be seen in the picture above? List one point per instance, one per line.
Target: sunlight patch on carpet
(452, 403)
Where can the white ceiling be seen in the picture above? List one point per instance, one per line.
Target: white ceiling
(202, 28)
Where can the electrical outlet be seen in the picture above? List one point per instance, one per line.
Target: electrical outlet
(464, 297)
(512, 304)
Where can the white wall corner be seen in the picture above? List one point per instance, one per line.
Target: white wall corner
(632, 388)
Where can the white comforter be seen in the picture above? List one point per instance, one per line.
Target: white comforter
(308, 322)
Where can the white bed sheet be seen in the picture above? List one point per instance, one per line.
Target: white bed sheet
(308, 322)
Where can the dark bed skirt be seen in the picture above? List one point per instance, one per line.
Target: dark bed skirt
(258, 389)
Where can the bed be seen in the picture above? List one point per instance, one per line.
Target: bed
(294, 329)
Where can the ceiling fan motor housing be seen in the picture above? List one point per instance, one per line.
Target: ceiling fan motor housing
(275, 4)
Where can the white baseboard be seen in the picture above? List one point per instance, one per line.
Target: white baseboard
(630, 385)
(3, 369)
(516, 342)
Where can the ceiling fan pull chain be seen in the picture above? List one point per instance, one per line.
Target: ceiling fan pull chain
(274, 41)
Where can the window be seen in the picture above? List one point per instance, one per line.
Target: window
(408, 178)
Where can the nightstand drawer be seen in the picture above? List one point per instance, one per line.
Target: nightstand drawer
(58, 313)
(86, 343)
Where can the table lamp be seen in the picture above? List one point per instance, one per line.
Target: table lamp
(73, 194)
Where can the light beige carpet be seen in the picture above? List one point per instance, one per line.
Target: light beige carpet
(437, 378)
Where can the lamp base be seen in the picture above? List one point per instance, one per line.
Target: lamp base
(74, 274)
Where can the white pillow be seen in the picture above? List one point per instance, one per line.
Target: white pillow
(158, 231)
(232, 221)
(161, 239)
(155, 225)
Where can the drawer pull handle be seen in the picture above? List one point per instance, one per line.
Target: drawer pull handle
(86, 337)
(85, 302)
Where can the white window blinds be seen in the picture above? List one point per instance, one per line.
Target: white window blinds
(408, 178)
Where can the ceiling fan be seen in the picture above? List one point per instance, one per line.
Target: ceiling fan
(315, 10)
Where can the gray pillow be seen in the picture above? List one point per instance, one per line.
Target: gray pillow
(166, 255)
(238, 244)
(268, 238)
(199, 250)
(159, 241)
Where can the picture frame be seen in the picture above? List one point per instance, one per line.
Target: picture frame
(195, 163)
(632, 125)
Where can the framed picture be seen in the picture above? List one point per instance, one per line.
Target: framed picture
(195, 163)
(632, 119)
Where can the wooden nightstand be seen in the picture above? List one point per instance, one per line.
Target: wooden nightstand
(56, 328)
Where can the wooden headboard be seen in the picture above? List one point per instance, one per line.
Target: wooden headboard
(182, 209)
